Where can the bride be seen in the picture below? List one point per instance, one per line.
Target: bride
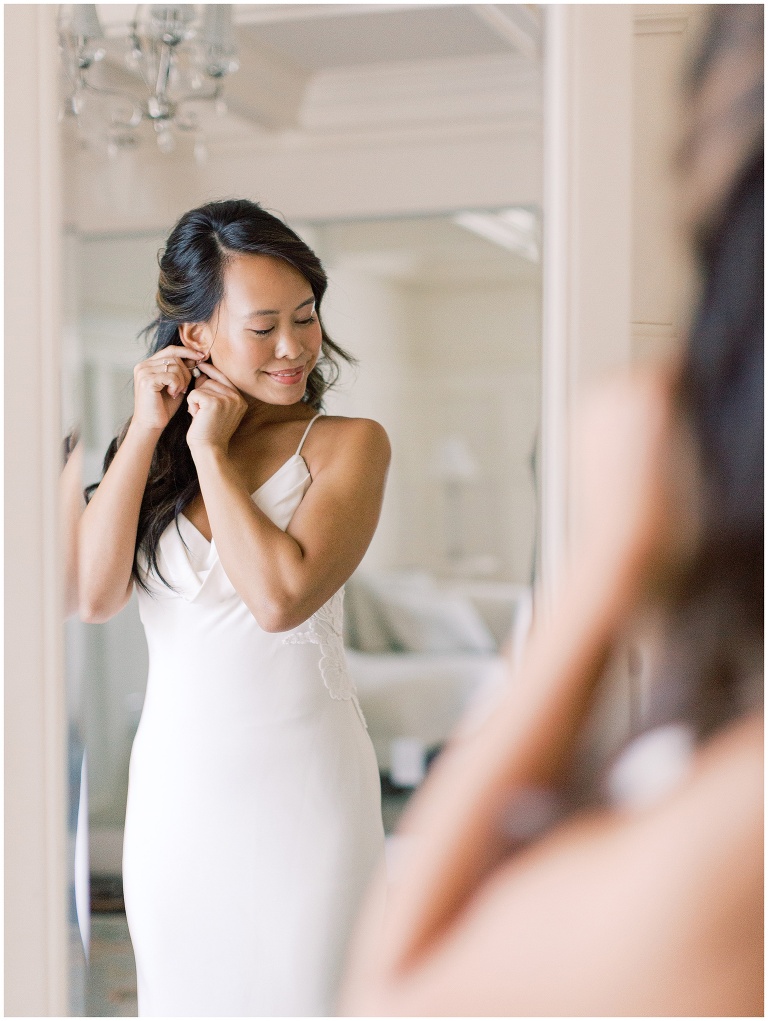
(237, 511)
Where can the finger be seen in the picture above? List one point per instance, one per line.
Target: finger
(175, 373)
(210, 386)
(181, 356)
(196, 401)
(182, 351)
(174, 377)
(215, 374)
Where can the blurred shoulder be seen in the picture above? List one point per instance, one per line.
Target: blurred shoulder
(730, 767)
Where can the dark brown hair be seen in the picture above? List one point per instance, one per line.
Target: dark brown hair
(711, 666)
(190, 287)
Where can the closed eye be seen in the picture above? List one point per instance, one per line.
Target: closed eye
(299, 322)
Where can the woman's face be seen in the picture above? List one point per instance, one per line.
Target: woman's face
(265, 335)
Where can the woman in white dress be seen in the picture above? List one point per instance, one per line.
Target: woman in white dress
(238, 512)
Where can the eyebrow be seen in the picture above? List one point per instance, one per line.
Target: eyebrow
(276, 312)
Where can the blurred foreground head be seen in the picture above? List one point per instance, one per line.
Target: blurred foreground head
(712, 668)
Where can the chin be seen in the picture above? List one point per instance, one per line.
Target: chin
(286, 399)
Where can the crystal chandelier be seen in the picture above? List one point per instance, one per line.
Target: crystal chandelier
(163, 68)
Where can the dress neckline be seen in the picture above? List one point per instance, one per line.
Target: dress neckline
(256, 492)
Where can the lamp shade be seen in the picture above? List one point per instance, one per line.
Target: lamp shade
(453, 461)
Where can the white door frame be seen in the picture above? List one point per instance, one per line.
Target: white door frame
(587, 236)
(36, 956)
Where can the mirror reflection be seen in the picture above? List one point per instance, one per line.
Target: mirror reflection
(441, 311)
(444, 323)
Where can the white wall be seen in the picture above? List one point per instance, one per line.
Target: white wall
(441, 360)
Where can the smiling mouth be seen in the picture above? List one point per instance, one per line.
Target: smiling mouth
(288, 377)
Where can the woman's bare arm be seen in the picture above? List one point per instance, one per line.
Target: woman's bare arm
(109, 524)
(283, 577)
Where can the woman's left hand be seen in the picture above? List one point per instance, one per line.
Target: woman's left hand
(217, 408)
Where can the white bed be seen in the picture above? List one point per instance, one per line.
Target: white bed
(422, 651)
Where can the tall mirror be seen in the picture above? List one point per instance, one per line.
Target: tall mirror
(403, 143)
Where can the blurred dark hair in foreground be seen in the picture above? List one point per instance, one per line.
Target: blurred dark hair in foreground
(712, 666)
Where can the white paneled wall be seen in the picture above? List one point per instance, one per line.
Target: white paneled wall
(662, 275)
(440, 360)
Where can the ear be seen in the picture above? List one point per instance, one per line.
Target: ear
(195, 337)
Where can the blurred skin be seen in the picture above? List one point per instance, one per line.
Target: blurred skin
(611, 912)
(247, 420)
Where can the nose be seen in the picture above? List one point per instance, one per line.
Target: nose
(288, 343)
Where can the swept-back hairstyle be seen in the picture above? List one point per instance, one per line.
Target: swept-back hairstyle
(190, 288)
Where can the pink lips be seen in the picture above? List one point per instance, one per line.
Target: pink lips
(288, 378)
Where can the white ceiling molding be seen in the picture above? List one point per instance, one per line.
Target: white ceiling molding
(115, 18)
(450, 90)
(514, 24)
(514, 229)
(320, 181)
(268, 89)
(272, 14)
(527, 131)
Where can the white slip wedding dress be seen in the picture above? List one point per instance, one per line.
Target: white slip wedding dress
(254, 817)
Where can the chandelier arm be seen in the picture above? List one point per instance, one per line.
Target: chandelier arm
(154, 59)
(147, 84)
(164, 71)
(201, 96)
(101, 91)
(137, 47)
(74, 79)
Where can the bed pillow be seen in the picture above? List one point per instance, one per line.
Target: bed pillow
(364, 625)
(420, 617)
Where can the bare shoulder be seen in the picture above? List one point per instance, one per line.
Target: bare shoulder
(647, 913)
(728, 775)
(337, 440)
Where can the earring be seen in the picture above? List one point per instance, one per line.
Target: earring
(196, 372)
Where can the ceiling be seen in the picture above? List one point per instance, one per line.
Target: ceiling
(353, 37)
(313, 69)
(422, 250)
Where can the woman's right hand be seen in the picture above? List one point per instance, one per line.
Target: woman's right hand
(159, 385)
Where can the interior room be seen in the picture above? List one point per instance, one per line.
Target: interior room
(489, 191)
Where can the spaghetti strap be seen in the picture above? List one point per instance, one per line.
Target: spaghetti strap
(306, 431)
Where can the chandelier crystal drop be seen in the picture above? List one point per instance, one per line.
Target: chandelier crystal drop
(163, 68)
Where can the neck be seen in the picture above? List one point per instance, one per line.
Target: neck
(260, 414)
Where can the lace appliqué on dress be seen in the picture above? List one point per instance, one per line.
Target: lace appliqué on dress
(326, 630)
